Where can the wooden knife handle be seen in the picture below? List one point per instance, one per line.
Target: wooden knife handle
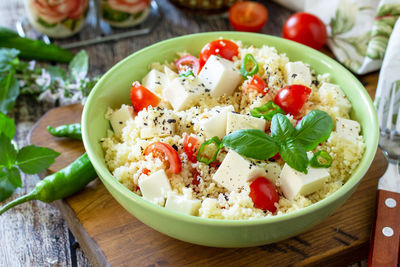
(385, 238)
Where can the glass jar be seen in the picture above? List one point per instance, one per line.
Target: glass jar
(57, 18)
(124, 13)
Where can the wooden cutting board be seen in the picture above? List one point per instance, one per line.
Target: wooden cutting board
(109, 235)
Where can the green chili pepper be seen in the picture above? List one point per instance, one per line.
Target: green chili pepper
(61, 184)
(68, 130)
(205, 160)
(186, 74)
(267, 111)
(248, 60)
(321, 159)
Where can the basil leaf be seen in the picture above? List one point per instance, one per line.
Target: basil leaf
(294, 155)
(313, 129)
(5, 32)
(10, 179)
(281, 127)
(7, 126)
(8, 154)
(9, 91)
(7, 55)
(56, 73)
(33, 159)
(251, 143)
(79, 66)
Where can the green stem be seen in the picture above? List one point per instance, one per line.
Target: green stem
(31, 196)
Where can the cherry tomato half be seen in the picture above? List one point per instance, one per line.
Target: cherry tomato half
(248, 16)
(292, 98)
(263, 193)
(306, 29)
(141, 97)
(164, 151)
(258, 84)
(191, 147)
(224, 48)
(187, 63)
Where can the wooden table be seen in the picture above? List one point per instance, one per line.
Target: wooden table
(34, 234)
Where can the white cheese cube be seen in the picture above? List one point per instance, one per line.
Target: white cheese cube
(235, 171)
(348, 129)
(294, 183)
(155, 187)
(213, 122)
(170, 74)
(273, 170)
(182, 92)
(220, 76)
(298, 73)
(331, 95)
(237, 121)
(154, 81)
(182, 204)
(156, 122)
(119, 118)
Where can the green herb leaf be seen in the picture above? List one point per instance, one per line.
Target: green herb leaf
(313, 129)
(8, 154)
(56, 73)
(251, 143)
(7, 126)
(7, 56)
(10, 179)
(5, 32)
(33, 159)
(281, 128)
(79, 65)
(294, 155)
(9, 91)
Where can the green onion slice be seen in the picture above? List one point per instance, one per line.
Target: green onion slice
(186, 74)
(204, 159)
(249, 61)
(267, 111)
(321, 159)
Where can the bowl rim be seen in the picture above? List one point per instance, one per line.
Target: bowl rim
(354, 179)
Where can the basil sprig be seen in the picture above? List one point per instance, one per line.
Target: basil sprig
(291, 143)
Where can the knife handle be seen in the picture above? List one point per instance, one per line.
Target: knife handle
(385, 237)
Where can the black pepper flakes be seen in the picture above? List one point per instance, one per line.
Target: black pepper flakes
(171, 120)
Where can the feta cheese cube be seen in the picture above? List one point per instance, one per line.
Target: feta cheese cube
(154, 81)
(332, 95)
(297, 73)
(119, 118)
(235, 171)
(348, 129)
(294, 183)
(220, 76)
(273, 170)
(156, 122)
(183, 92)
(213, 121)
(237, 121)
(155, 187)
(182, 204)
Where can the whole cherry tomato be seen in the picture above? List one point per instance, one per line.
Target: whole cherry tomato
(248, 16)
(264, 194)
(224, 48)
(191, 147)
(164, 151)
(306, 29)
(258, 84)
(292, 98)
(188, 63)
(141, 97)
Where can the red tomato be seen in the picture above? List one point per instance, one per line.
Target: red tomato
(186, 63)
(263, 193)
(191, 147)
(224, 48)
(258, 84)
(141, 97)
(248, 16)
(306, 29)
(277, 156)
(196, 177)
(292, 98)
(165, 152)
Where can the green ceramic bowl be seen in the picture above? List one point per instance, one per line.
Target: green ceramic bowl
(113, 90)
